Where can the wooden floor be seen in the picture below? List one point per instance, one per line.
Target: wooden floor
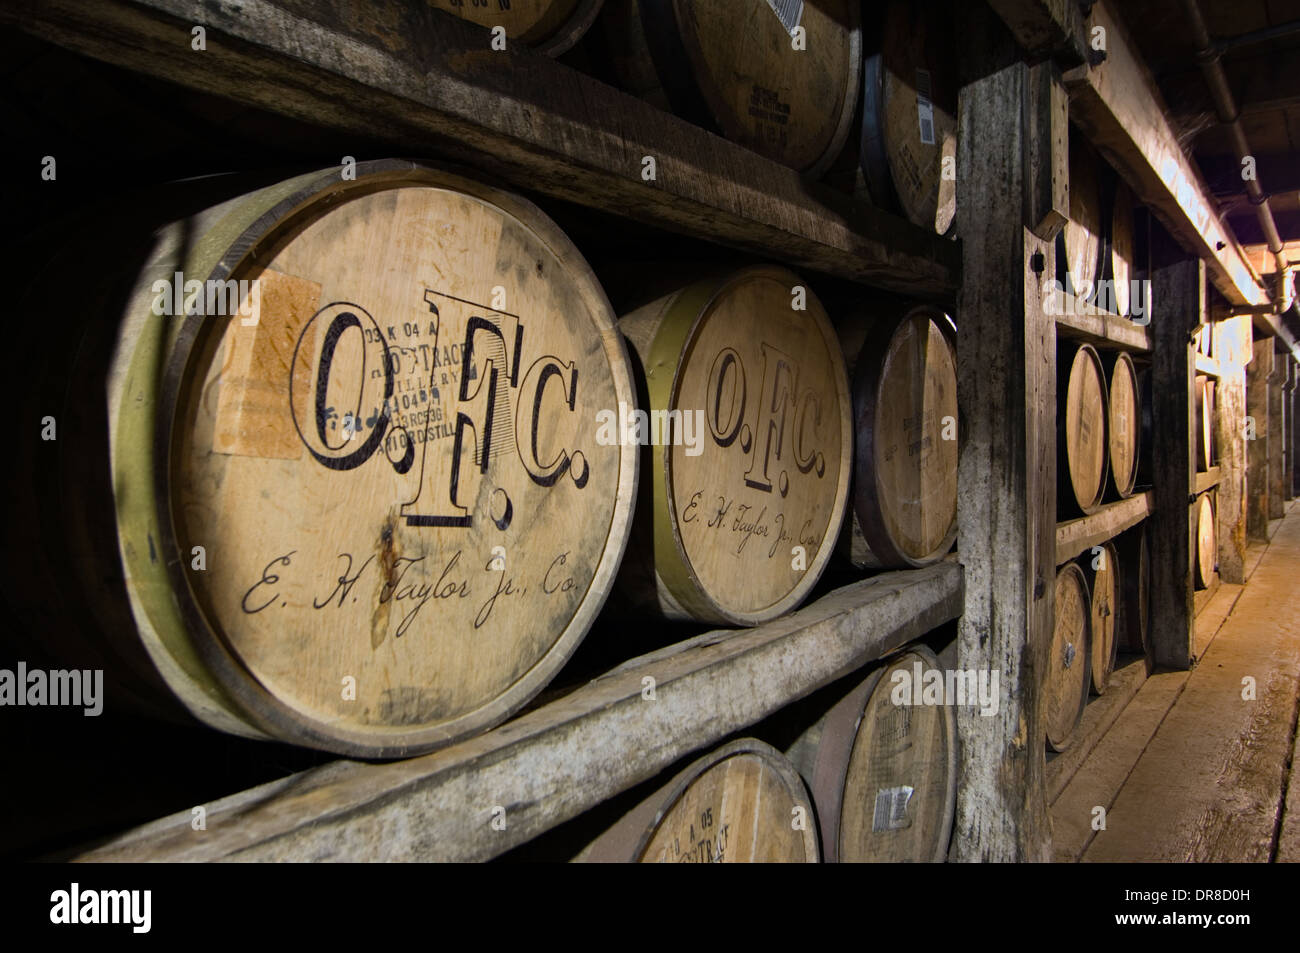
(1184, 766)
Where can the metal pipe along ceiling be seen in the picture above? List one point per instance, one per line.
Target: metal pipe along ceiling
(1207, 55)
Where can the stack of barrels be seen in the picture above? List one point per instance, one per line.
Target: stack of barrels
(1103, 443)
(873, 780)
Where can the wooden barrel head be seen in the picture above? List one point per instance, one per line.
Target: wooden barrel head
(1079, 242)
(1104, 572)
(1124, 429)
(909, 124)
(547, 26)
(905, 415)
(743, 803)
(1068, 668)
(390, 461)
(733, 66)
(1207, 555)
(884, 777)
(1082, 425)
(746, 513)
(1122, 247)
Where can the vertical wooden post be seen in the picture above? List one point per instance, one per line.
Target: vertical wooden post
(1257, 483)
(1295, 427)
(1276, 449)
(1230, 413)
(1013, 124)
(1288, 427)
(1177, 309)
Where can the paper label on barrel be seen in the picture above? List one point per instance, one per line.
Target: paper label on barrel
(924, 108)
(789, 12)
(758, 479)
(444, 511)
(891, 809)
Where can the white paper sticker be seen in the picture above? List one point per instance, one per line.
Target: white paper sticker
(891, 809)
(924, 108)
(789, 12)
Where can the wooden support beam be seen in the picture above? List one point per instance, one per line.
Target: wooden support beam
(1276, 445)
(1257, 407)
(1229, 439)
(1045, 28)
(1118, 105)
(1295, 429)
(1006, 380)
(430, 83)
(1078, 536)
(1178, 308)
(565, 757)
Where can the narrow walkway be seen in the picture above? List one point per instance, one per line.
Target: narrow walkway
(1201, 765)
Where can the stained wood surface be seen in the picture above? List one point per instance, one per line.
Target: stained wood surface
(1006, 382)
(905, 468)
(1124, 429)
(733, 66)
(1258, 488)
(548, 26)
(1207, 548)
(883, 768)
(909, 125)
(1083, 427)
(766, 394)
(557, 761)
(1105, 574)
(378, 437)
(1069, 668)
(1134, 619)
(1080, 535)
(1079, 243)
(437, 88)
(1120, 247)
(743, 803)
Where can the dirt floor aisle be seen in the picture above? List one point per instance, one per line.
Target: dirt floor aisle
(1195, 768)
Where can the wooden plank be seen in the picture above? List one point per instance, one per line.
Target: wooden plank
(1006, 381)
(1207, 478)
(1178, 292)
(1208, 365)
(1229, 437)
(565, 757)
(1203, 598)
(432, 84)
(1076, 319)
(1045, 28)
(1276, 443)
(1078, 536)
(1119, 106)
(1257, 407)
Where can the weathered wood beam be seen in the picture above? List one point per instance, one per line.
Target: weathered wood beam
(1045, 28)
(1257, 406)
(1276, 441)
(1118, 105)
(1081, 320)
(1178, 308)
(563, 758)
(430, 83)
(1006, 381)
(1078, 536)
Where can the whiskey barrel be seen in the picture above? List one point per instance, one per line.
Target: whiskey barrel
(905, 460)
(743, 803)
(548, 26)
(882, 764)
(1078, 248)
(1123, 423)
(748, 441)
(780, 78)
(1068, 664)
(1121, 248)
(909, 114)
(368, 513)
(1207, 554)
(1081, 426)
(1131, 632)
(1104, 572)
(1204, 390)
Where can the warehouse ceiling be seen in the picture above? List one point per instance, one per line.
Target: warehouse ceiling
(1263, 71)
